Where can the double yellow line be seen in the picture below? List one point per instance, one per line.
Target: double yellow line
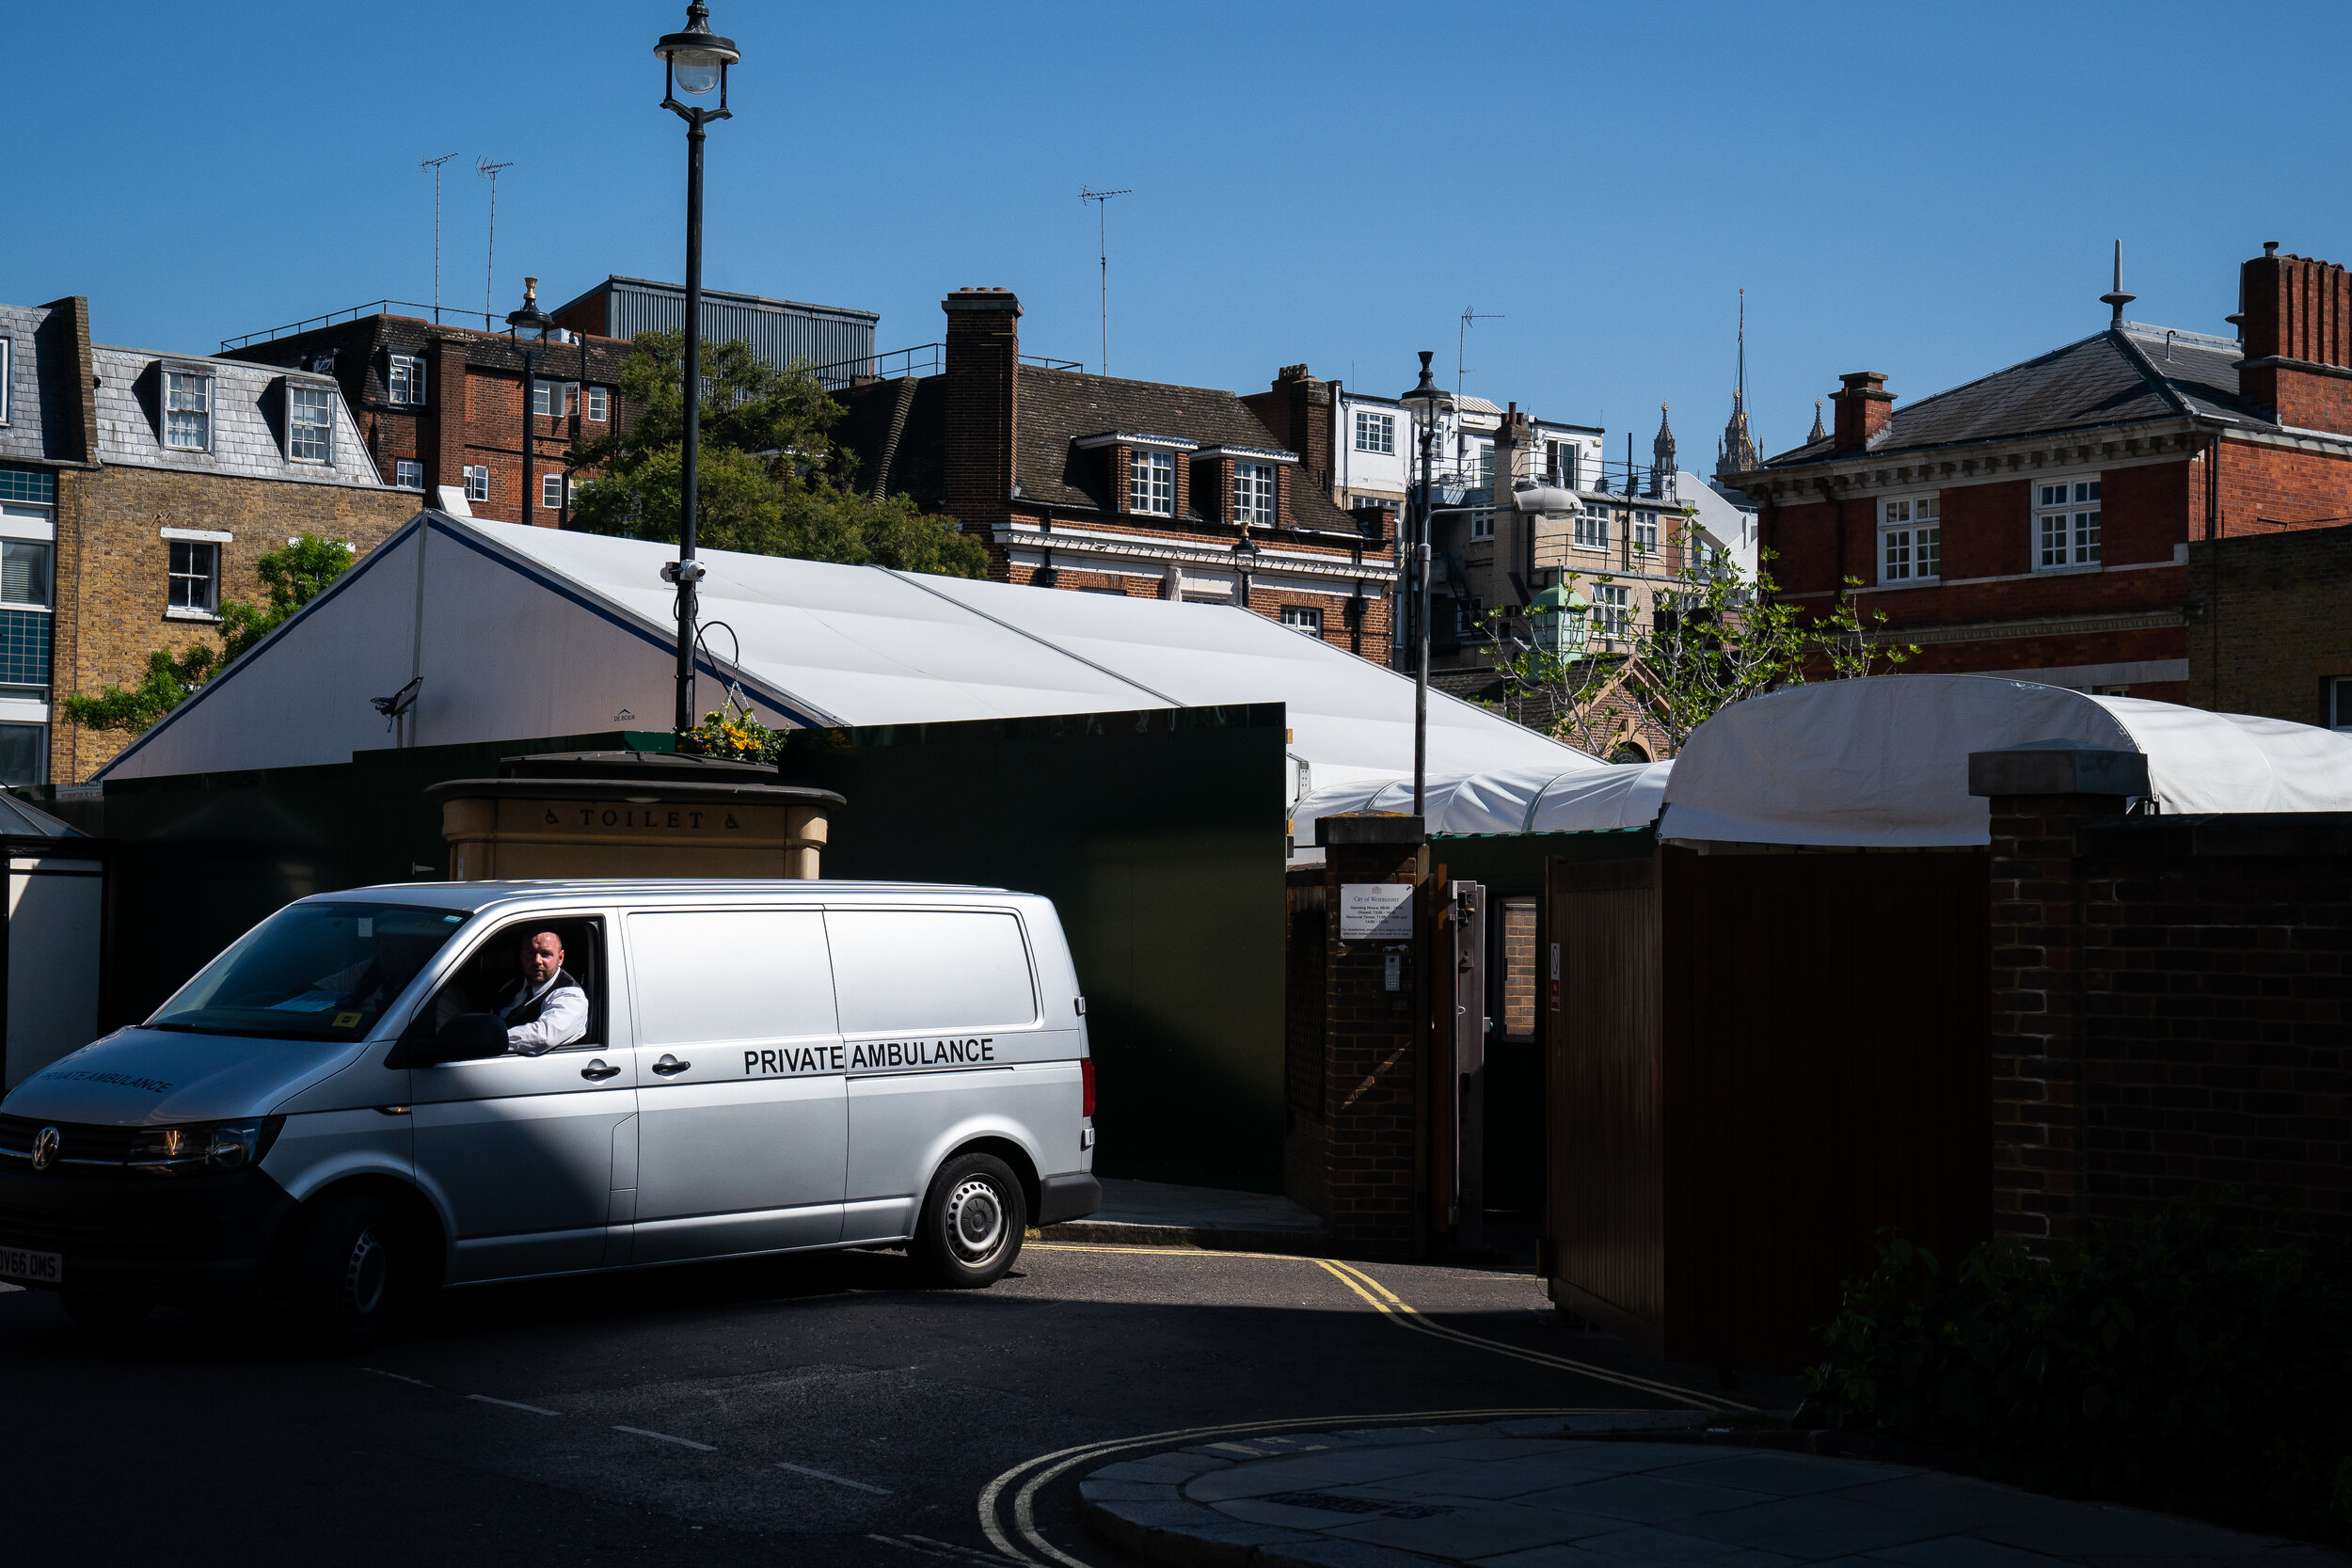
(1398, 1311)
(1401, 1313)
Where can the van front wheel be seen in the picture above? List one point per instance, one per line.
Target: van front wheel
(972, 1223)
(344, 1274)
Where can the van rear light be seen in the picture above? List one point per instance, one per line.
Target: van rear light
(1086, 1073)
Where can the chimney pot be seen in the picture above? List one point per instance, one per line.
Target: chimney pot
(2270, 248)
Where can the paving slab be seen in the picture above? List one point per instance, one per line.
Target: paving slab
(1502, 1496)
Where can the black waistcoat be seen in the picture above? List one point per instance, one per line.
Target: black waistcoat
(529, 1011)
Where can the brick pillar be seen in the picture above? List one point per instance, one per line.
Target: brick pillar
(2040, 796)
(982, 415)
(1373, 1070)
(442, 442)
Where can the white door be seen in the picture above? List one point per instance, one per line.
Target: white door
(521, 1147)
(938, 1007)
(742, 1133)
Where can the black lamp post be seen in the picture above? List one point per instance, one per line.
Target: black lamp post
(532, 320)
(1428, 403)
(692, 62)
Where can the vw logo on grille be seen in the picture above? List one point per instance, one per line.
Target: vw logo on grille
(44, 1147)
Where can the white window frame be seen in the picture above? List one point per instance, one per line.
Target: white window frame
(1304, 619)
(1151, 482)
(49, 574)
(1482, 525)
(205, 550)
(1592, 529)
(1254, 495)
(1376, 432)
(2066, 524)
(562, 398)
(405, 382)
(1642, 536)
(551, 492)
(1563, 462)
(1612, 611)
(1911, 539)
(200, 387)
(296, 394)
(7, 378)
(477, 482)
(402, 468)
(599, 405)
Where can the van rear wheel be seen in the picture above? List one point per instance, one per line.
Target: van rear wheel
(344, 1269)
(972, 1223)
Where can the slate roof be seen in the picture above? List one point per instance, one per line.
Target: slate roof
(248, 420)
(40, 375)
(2112, 377)
(1057, 409)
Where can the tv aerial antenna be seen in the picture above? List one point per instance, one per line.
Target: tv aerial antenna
(1470, 313)
(1102, 200)
(434, 164)
(488, 170)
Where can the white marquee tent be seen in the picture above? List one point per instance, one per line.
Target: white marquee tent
(1878, 762)
(520, 632)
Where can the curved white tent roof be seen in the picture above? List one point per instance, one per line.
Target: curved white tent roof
(520, 631)
(1884, 761)
(1592, 796)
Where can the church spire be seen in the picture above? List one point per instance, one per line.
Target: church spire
(1661, 467)
(1819, 434)
(1736, 454)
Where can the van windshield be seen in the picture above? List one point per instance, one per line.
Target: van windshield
(311, 972)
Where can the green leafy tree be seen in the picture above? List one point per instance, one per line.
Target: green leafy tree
(773, 479)
(1714, 640)
(293, 577)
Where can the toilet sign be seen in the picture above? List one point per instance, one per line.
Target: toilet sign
(1376, 912)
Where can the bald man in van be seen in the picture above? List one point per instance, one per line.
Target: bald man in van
(544, 1006)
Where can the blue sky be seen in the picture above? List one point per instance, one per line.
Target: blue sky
(1929, 192)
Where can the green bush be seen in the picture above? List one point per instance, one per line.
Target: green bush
(2185, 1350)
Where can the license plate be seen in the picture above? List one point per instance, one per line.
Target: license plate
(36, 1267)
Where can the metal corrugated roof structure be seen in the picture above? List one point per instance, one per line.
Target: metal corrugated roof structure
(518, 632)
(778, 330)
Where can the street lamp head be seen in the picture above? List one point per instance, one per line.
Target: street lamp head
(697, 58)
(530, 319)
(1427, 401)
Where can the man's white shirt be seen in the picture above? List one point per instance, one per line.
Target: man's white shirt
(562, 1018)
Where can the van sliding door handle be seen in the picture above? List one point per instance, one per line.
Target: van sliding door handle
(597, 1071)
(669, 1064)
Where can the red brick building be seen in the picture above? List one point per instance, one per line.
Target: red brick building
(2036, 523)
(1137, 487)
(443, 407)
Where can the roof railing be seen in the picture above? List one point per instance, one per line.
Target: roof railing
(922, 359)
(373, 307)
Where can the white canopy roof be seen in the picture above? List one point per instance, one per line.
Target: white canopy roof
(1878, 762)
(520, 631)
(1592, 796)
(1884, 761)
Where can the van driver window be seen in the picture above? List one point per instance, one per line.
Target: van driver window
(543, 978)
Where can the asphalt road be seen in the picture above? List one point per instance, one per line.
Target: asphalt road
(811, 1410)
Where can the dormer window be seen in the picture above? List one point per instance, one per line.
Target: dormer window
(309, 424)
(1152, 483)
(405, 385)
(1254, 495)
(188, 411)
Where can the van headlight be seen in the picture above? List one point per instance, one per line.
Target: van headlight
(204, 1146)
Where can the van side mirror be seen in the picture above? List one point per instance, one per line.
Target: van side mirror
(463, 1039)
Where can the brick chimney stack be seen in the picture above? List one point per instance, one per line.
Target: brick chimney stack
(1298, 410)
(982, 414)
(1864, 406)
(2298, 339)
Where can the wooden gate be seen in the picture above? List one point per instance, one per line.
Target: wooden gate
(1759, 1061)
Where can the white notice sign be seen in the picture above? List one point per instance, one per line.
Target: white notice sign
(1376, 912)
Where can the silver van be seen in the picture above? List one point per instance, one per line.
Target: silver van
(338, 1107)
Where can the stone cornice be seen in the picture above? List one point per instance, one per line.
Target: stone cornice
(2040, 625)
